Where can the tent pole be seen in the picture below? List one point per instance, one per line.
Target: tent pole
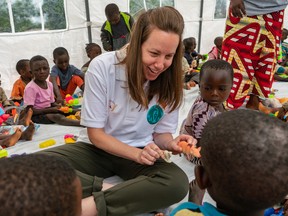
(88, 21)
(200, 26)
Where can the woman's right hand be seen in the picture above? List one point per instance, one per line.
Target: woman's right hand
(149, 154)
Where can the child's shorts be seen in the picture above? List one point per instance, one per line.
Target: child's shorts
(41, 119)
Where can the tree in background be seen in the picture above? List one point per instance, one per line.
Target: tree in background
(26, 16)
(4, 17)
(54, 14)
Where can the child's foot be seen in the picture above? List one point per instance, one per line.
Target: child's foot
(195, 193)
(12, 139)
(253, 102)
(25, 117)
(29, 132)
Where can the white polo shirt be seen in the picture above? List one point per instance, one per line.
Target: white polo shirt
(107, 104)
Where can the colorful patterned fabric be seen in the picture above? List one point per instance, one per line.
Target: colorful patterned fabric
(198, 117)
(200, 113)
(251, 45)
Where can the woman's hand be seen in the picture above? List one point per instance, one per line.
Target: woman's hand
(175, 148)
(237, 8)
(149, 154)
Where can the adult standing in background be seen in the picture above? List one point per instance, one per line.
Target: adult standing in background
(115, 32)
(251, 44)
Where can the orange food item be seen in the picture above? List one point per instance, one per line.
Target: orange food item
(264, 109)
(282, 100)
(190, 149)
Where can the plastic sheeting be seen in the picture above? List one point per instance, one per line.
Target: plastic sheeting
(14, 47)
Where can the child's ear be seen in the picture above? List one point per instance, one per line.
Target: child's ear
(202, 178)
(54, 61)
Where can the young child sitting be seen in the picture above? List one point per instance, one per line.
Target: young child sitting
(23, 68)
(7, 140)
(216, 78)
(215, 52)
(65, 77)
(188, 75)
(190, 53)
(39, 96)
(38, 184)
(92, 50)
(281, 70)
(4, 101)
(245, 157)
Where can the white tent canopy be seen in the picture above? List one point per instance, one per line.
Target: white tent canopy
(24, 45)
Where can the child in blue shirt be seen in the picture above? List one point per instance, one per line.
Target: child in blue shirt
(65, 77)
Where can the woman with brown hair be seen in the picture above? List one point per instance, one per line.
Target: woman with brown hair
(130, 108)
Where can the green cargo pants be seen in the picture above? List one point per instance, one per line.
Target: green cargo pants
(145, 188)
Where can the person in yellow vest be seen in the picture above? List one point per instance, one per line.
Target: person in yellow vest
(115, 31)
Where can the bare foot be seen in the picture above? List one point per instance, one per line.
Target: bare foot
(253, 102)
(195, 193)
(29, 132)
(11, 140)
(25, 117)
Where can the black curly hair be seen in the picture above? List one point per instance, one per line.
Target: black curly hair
(35, 185)
(245, 154)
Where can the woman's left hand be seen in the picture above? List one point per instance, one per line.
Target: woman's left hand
(173, 144)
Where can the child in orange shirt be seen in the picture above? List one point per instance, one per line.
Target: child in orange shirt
(23, 68)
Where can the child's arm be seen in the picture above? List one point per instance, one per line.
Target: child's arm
(77, 71)
(44, 110)
(56, 90)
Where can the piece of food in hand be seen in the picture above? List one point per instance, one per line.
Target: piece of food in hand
(190, 149)
(167, 156)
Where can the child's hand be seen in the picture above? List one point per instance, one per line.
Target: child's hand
(194, 64)
(59, 100)
(237, 8)
(200, 56)
(281, 115)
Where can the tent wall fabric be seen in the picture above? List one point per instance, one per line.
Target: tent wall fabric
(16, 46)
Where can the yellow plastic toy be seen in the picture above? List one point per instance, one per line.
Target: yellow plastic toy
(70, 138)
(3, 153)
(47, 143)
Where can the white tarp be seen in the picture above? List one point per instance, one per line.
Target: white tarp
(14, 47)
